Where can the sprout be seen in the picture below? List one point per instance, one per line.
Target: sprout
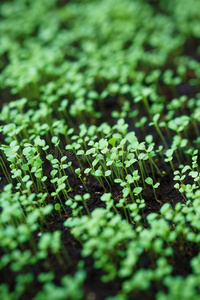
(149, 181)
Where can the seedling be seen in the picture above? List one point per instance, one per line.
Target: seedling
(78, 172)
(83, 199)
(149, 181)
(58, 208)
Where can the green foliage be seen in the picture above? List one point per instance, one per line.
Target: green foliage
(99, 93)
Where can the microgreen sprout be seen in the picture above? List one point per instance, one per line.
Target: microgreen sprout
(149, 181)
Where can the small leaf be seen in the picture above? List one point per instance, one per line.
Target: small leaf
(112, 142)
(78, 171)
(156, 185)
(108, 173)
(78, 198)
(49, 157)
(57, 206)
(137, 190)
(156, 118)
(87, 170)
(25, 178)
(131, 137)
(86, 196)
(169, 152)
(149, 180)
(18, 173)
(118, 180)
(98, 173)
(125, 192)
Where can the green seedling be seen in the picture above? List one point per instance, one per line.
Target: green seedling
(149, 181)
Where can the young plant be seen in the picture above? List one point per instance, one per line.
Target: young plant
(149, 181)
